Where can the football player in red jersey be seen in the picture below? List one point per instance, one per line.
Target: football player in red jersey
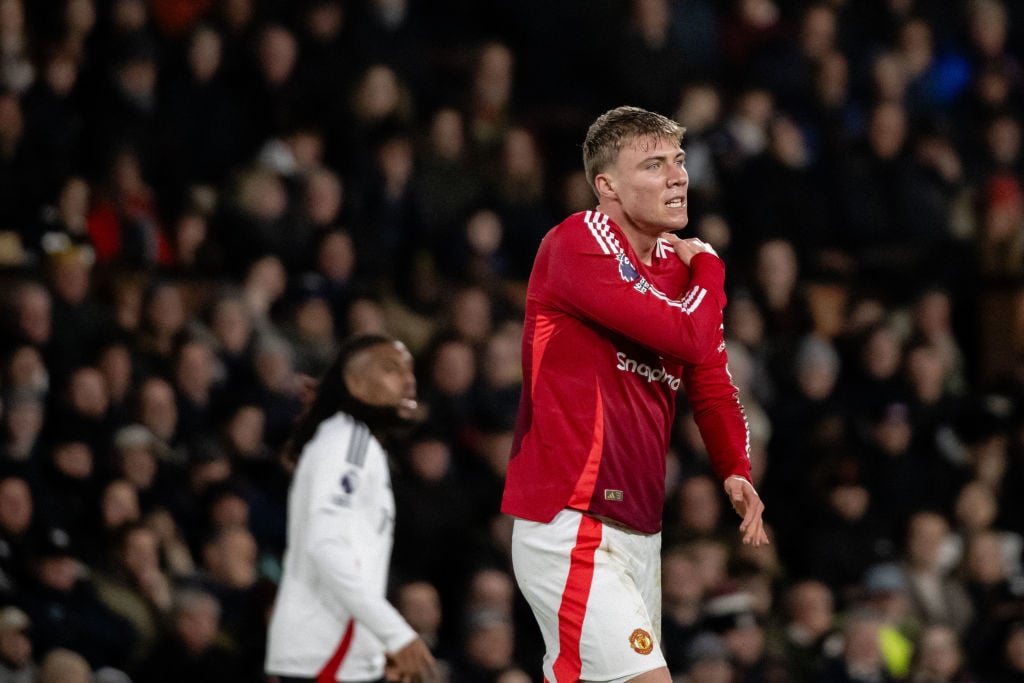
(620, 314)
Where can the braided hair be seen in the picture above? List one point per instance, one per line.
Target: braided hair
(332, 393)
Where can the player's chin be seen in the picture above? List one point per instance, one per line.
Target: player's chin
(411, 410)
(677, 219)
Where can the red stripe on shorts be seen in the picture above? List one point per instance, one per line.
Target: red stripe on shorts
(329, 674)
(574, 600)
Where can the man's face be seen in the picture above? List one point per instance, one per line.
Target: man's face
(650, 182)
(15, 646)
(382, 376)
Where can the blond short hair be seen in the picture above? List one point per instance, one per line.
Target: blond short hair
(614, 128)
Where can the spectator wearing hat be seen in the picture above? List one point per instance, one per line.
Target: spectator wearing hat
(887, 596)
(707, 660)
(140, 458)
(16, 662)
(65, 611)
(732, 616)
(68, 485)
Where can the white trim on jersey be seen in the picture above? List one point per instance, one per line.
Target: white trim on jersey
(664, 248)
(597, 223)
(693, 298)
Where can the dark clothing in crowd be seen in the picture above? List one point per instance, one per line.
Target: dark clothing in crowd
(119, 121)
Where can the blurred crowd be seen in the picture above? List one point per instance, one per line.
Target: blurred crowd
(199, 198)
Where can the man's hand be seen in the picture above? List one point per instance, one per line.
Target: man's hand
(688, 248)
(412, 664)
(748, 505)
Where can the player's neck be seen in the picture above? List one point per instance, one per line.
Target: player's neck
(642, 243)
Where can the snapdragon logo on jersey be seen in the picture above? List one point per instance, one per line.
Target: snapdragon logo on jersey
(627, 364)
(349, 483)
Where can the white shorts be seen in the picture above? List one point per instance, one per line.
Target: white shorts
(595, 590)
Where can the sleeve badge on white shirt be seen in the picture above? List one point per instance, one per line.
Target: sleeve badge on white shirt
(348, 483)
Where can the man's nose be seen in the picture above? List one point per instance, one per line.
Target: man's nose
(678, 176)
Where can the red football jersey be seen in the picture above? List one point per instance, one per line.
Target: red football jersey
(607, 343)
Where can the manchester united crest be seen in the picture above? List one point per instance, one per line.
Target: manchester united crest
(641, 641)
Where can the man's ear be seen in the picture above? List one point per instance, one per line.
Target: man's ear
(355, 382)
(354, 375)
(604, 185)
